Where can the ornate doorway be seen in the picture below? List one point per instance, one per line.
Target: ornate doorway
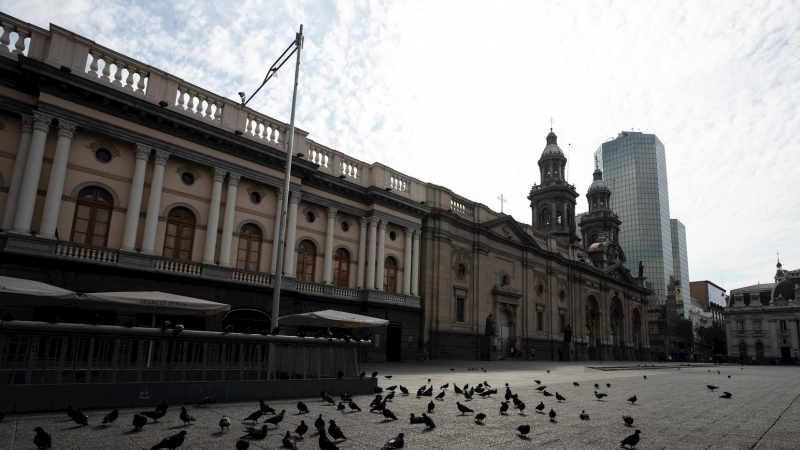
(505, 331)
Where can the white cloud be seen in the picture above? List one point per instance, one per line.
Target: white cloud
(468, 87)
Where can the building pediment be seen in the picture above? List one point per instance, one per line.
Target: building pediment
(506, 291)
(509, 229)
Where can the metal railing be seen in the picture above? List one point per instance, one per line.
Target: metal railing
(44, 353)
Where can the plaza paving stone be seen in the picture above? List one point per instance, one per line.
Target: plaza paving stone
(675, 411)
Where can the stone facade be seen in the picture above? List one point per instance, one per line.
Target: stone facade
(763, 321)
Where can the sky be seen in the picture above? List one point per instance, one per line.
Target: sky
(461, 94)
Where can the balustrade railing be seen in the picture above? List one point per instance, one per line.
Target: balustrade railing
(252, 277)
(396, 298)
(268, 130)
(43, 353)
(399, 183)
(351, 168)
(96, 254)
(127, 74)
(321, 157)
(461, 206)
(171, 265)
(305, 286)
(345, 292)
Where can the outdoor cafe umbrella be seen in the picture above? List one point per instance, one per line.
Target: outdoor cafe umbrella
(332, 319)
(35, 293)
(152, 302)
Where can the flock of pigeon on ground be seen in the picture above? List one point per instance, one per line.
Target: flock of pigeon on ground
(330, 436)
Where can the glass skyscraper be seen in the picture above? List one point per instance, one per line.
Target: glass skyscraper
(634, 166)
(680, 267)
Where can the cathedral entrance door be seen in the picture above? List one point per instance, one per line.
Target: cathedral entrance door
(505, 332)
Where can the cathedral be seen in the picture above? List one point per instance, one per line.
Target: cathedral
(495, 287)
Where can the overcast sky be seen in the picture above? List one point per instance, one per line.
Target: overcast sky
(460, 94)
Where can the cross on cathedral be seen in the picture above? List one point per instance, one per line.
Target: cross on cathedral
(502, 200)
(551, 123)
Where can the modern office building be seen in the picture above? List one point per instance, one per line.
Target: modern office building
(635, 168)
(680, 265)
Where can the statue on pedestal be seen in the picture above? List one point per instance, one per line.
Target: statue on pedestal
(489, 325)
(641, 269)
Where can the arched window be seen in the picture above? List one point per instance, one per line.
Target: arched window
(743, 349)
(92, 216)
(759, 351)
(390, 275)
(306, 257)
(341, 268)
(179, 240)
(547, 170)
(544, 217)
(594, 202)
(569, 217)
(249, 253)
(558, 217)
(593, 238)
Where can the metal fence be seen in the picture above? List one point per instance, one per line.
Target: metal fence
(44, 353)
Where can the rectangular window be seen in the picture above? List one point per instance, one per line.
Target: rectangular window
(539, 321)
(757, 325)
(562, 322)
(741, 326)
(783, 325)
(459, 309)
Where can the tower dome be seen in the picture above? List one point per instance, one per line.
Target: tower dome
(552, 148)
(598, 182)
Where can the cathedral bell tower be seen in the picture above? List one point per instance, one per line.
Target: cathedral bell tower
(553, 201)
(600, 219)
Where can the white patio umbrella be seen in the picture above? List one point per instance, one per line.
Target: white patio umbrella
(36, 293)
(152, 302)
(333, 319)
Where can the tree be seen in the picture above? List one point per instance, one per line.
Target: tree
(710, 336)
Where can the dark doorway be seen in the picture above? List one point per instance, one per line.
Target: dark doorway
(393, 341)
(786, 356)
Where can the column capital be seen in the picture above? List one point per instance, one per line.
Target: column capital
(417, 233)
(279, 192)
(408, 232)
(218, 174)
(332, 212)
(27, 124)
(382, 225)
(41, 122)
(295, 197)
(373, 221)
(233, 179)
(143, 151)
(363, 221)
(66, 129)
(162, 157)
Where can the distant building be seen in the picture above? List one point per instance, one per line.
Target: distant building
(680, 267)
(763, 321)
(711, 297)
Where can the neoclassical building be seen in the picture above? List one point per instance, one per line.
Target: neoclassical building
(538, 281)
(115, 175)
(763, 321)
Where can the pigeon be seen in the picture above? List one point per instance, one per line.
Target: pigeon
(428, 421)
(463, 409)
(335, 432)
(718, 373)
(374, 374)
(429, 392)
(632, 400)
(265, 408)
(560, 397)
(111, 417)
(346, 397)
(155, 415)
(389, 397)
(388, 377)
(541, 388)
(547, 394)
(162, 407)
(254, 417)
(241, 444)
(224, 423)
(42, 440)
(301, 429)
(631, 440)
(503, 407)
(319, 424)
(479, 417)
(378, 408)
(712, 387)
(185, 417)
(416, 419)
(404, 390)
(524, 430)
(468, 395)
(80, 418)
(431, 406)
(353, 406)
(628, 420)
(444, 386)
(599, 395)
(276, 419)
(540, 407)
(340, 406)
(576, 384)
(139, 422)
(729, 376)
(388, 414)
(324, 442)
(521, 407)
(330, 400)
(171, 442)
(289, 442)
(726, 395)
(645, 377)
(377, 400)
(377, 389)
(583, 415)
(340, 374)
(596, 386)
(255, 433)
(440, 396)
(204, 401)
(552, 415)
(395, 442)
(537, 381)
(608, 385)
(302, 407)
(548, 371)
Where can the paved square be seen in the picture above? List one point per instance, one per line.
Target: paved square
(675, 410)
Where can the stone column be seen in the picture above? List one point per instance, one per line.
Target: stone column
(362, 252)
(380, 260)
(328, 265)
(415, 265)
(210, 247)
(154, 203)
(373, 225)
(16, 175)
(276, 233)
(407, 263)
(291, 230)
(30, 177)
(227, 221)
(135, 198)
(55, 186)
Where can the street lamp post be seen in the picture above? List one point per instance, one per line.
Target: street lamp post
(276, 285)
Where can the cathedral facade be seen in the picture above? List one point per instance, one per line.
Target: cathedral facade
(536, 288)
